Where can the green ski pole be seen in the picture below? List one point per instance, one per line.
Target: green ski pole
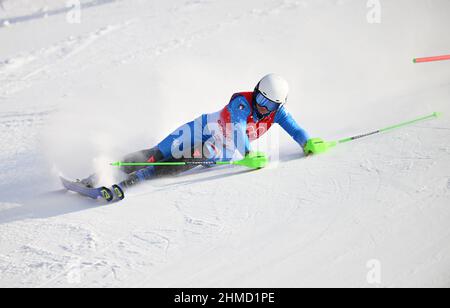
(318, 146)
(256, 160)
(389, 128)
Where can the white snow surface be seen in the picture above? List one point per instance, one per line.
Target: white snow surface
(74, 97)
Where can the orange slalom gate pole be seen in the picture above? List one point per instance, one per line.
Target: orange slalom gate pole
(431, 59)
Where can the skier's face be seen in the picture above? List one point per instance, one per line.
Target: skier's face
(264, 105)
(262, 110)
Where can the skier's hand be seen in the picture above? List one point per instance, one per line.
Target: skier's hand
(255, 160)
(317, 146)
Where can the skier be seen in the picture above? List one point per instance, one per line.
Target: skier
(219, 135)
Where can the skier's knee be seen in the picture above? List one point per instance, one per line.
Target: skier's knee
(146, 173)
(145, 156)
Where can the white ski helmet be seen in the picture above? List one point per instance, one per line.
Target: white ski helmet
(274, 87)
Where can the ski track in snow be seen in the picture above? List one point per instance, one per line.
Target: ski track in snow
(191, 38)
(18, 72)
(78, 250)
(42, 9)
(388, 201)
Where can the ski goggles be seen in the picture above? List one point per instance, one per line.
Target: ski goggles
(263, 101)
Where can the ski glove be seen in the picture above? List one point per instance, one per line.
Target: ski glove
(317, 146)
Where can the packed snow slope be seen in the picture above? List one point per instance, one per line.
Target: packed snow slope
(76, 96)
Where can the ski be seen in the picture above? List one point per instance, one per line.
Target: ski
(118, 192)
(94, 193)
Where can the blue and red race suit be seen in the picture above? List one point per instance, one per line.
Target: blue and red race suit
(219, 135)
(216, 136)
